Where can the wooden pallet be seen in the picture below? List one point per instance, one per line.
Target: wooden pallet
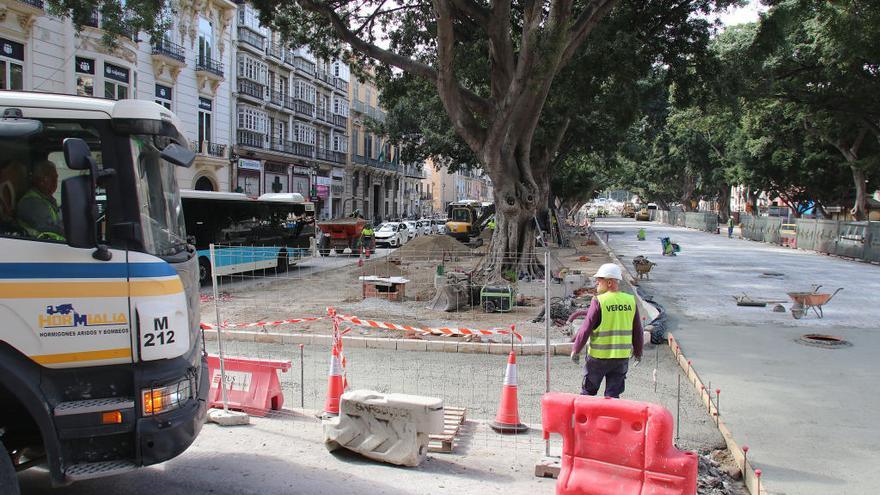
(453, 418)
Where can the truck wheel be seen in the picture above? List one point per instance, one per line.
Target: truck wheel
(8, 480)
(283, 262)
(204, 271)
(324, 248)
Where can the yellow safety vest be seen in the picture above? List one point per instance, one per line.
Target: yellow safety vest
(613, 337)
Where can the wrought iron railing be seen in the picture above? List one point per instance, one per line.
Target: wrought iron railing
(340, 120)
(251, 138)
(330, 156)
(251, 88)
(342, 85)
(245, 35)
(169, 49)
(275, 50)
(276, 97)
(210, 65)
(304, 65)
(300, 149)
(216, 149)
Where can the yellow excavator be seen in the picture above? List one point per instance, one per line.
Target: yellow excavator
(466, 219)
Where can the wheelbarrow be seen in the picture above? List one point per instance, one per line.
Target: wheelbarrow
(805, 301)
(643, 266)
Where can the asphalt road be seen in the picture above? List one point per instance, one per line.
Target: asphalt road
(806, 413)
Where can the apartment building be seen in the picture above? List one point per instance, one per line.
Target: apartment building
(185, 71)
(446, 186)
(291, 117)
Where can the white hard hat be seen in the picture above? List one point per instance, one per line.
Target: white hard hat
(609, 270)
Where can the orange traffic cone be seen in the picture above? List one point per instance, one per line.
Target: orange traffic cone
(507, 419)
(335, 384)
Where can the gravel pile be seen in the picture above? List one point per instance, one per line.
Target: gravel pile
(432, 247)
(717, 479)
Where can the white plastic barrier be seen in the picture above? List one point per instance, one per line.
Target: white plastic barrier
(392, 428)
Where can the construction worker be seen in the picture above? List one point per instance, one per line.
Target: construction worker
(614, 332)
(37, 211)
(641, 234)
(368, 237)
(491, 224)
(730, 227)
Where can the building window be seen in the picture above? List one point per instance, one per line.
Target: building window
(205, 110)
(368, 95)
(85, 76)
(304, 91)
(253, 69)
(340, 106)
(251, 119)
(164, 96)
(116, 82)
(340, 143)
(354, 141)
(206, 40)
(11, 64)
(249, 17)
(368, 145)
(303, 133)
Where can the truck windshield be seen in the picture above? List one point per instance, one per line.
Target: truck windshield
(158, 199)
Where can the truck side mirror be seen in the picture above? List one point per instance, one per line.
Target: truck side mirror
(78, 211)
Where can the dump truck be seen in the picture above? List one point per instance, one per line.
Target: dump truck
(102, 369)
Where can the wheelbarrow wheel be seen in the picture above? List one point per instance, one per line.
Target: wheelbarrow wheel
(798, 311)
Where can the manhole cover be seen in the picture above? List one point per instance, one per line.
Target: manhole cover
(772, 275)
(821, 340)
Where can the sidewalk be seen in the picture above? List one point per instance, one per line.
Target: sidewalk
(805, 412)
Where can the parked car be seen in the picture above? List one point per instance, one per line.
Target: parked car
(439, 225)
(425, 227)
(392, 234)
(412, 229)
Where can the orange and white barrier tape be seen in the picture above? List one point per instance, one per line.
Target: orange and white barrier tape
(447, 331)
(257, 324)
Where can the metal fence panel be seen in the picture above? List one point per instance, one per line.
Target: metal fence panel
(771, 231)
(872, 242)
(806, 233)
(826, 236)
(851, 239)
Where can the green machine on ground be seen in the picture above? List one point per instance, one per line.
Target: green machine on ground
(497, 298)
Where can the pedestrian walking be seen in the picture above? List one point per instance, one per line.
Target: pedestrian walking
(730, 227)
(614, 332)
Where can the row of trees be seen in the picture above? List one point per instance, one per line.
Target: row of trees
(788, 106)
(583, 94)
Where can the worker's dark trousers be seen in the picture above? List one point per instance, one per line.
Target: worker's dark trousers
(612, 370)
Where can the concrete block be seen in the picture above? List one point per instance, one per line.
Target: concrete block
(442, 345)
(534, 349)
(322, 340)
(412, 345)
(268, 338)
(228, 418)
(501, 349)
(473, 348)
(297, 338)
(354, 342)
(392, 428)
(380, 343)
(563, 349)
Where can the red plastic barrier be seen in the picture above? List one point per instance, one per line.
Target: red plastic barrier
(252, 385)
(617, 447)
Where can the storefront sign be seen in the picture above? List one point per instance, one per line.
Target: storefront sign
(323, 191)
(85, 65)
(116, 73)
(246, 164)
(11, 49)
(205, 104)
(301, 170)
(163, 92)
(338, 172)
(323, 181)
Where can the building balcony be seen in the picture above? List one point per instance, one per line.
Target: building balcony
(207, 148)
(303, 108)
(276, 98)
(426, 196)
(169, 50)
(250, 38)
(324, 116)
(275, 51)
(251, 139)
(341, 85)
(210, 66)
(340, 121)
(303, 65)
(357, 106)
(359, 159)
(300, 149)
(251, 89)
(330, 156)
(324, 77)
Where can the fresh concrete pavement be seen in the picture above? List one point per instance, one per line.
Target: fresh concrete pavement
(808, 414)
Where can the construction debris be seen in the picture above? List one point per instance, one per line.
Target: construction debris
(429, 247)
(715, 478)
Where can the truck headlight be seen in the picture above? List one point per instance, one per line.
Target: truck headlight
(159, 400)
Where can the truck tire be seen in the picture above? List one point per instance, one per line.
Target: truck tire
(283, 262)
(324, 247)
(204, 271)
(8, 480)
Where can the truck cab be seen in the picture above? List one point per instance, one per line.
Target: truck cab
(102, 367)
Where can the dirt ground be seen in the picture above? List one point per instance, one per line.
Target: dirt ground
(287, 296)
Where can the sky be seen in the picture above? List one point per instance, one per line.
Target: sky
(749, 13)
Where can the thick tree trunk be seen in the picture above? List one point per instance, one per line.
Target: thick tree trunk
(724, 203)
(859, 210)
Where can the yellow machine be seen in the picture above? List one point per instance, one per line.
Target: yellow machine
(467, 218)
